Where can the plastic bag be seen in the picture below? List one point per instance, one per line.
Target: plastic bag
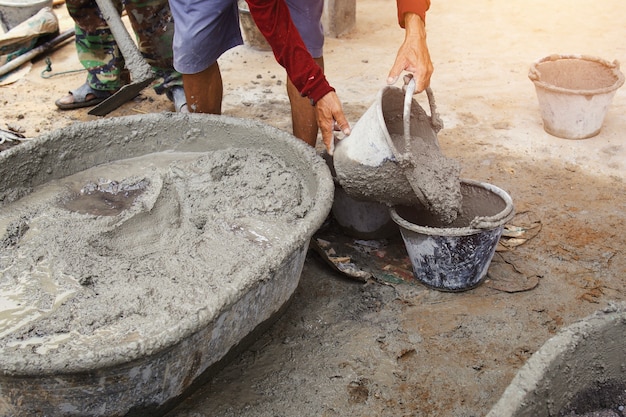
(24, 37)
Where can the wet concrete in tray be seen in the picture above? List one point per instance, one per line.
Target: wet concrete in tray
(114, 314)
(205, 206)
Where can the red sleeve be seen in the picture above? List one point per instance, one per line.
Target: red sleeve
(412, 6)
(274, 21)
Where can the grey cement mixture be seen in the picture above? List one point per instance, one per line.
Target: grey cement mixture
(435, 178)
(601, 399)
(122, 257)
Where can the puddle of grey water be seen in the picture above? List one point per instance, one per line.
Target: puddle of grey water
(105, 198)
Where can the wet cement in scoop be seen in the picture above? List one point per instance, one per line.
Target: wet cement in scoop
(434, 178)
(125, 251)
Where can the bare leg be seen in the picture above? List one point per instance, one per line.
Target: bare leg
(303, 120)
(204, 90)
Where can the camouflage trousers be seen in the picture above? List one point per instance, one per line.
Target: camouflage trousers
(98, 52)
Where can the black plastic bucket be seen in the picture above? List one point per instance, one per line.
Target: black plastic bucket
(455, 257)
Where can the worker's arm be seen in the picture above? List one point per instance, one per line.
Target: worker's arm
(413, 55)
(274, 21)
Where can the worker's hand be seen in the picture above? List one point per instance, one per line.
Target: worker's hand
(330, 116)
(413, 55)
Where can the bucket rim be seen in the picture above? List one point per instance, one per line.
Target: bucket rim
(535, 75)
(477, 225)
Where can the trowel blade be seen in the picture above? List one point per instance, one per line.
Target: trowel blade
(128, 92)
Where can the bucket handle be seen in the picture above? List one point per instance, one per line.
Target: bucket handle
(491, 222)
(435, 120)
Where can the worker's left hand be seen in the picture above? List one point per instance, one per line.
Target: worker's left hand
(329, 115)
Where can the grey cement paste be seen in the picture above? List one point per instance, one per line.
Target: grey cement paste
(601, 399)
(71, 279)
(131, 264)
(435, 177)
(477, 203)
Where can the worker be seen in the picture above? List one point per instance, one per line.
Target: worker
(206, 29)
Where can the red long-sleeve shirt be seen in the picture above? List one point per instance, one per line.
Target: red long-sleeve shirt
(418, 7)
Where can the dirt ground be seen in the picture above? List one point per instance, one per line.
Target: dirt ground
(345, 348)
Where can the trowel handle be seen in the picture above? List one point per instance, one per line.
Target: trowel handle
(137, 65)
(435, 120)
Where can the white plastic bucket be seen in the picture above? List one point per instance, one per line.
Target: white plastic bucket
(362, 219)
(357, 218)
(574, 93)
(370, 162)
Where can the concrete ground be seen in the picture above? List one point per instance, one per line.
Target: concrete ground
(345, 348)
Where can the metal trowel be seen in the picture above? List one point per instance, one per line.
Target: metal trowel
(140, 72)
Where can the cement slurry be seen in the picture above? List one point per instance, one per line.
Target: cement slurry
(75, 279)
(105, 289)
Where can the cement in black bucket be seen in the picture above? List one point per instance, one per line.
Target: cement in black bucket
(455, 257)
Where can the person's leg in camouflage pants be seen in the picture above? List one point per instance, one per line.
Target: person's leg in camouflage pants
(152, 22)
(98, 52)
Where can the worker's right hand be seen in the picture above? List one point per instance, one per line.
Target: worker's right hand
(413, 55)
(329, 114)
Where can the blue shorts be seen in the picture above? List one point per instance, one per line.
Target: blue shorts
(307, 16)
(205, 29)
